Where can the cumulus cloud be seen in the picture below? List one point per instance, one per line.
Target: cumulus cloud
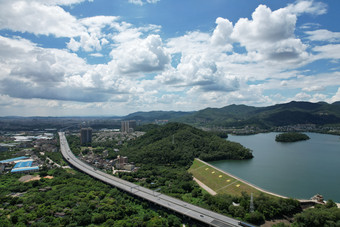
(38, 18)
(93, 38)
(192, 71)
(35, 72)
(200, 73)
(140, 55)
(271, 35)
(221, 34)
(49, 18)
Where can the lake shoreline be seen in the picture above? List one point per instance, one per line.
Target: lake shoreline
(244, 181)
(249, 184)
(297, 170)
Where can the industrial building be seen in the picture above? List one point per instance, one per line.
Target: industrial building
(85, 136)
(15, 160)
(24, 166)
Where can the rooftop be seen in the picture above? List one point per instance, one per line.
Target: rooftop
(14, 159)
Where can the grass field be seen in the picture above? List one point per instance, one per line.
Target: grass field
(219, 181)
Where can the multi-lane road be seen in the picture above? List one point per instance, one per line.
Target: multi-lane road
(202, 215)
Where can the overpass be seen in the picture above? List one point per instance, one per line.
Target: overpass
(197, 213)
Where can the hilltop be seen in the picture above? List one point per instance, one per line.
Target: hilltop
(179, 144)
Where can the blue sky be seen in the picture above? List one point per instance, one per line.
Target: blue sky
(104, 57)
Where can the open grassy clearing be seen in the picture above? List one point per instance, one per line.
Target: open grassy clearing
(219, 181)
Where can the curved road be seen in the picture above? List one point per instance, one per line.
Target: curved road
(187, 209)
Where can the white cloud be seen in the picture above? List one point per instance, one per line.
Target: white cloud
(310, 25)
(208, 71)
(97, 55)
(311, 7)
(73, 45)
(302, 97)
(323, 35)
(62, 2)
(48, 18)
(38, 18)
(152, 1)
(221, 34)
(271, 35)
(331, 51)
(313, 88)
(336, 97)
(192, 42)
(141, 2)
(313, 83)
(35, 72)
(309, 98)
(140, 55)
(136, 2)
(93, 38)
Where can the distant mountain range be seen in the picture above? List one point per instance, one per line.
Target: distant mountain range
(241, 115)
(156, 115)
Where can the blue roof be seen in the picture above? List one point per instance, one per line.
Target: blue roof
(23, 164)
(13, 159)
(25, 169)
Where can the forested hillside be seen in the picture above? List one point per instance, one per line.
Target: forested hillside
(72, 198)
(179, 144)
(266, 117)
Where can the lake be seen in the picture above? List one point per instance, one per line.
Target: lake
(298, 170)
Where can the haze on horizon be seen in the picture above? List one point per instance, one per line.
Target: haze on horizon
(102, 57)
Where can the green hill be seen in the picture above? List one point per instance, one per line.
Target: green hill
(179, 144)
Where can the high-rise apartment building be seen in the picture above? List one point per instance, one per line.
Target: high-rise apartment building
(128, 126)
(85, 136)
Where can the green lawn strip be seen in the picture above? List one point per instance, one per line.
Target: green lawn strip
(219, 181)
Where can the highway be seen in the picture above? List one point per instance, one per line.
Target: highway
(200, 214)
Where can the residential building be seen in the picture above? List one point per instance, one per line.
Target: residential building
(85, 136)
(128, 126)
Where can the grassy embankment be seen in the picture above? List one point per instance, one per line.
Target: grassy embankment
(219, 181)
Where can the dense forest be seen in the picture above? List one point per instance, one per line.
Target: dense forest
(179, 144)
(72, 198)
(291, 137)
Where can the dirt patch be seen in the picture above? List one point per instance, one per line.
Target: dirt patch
(28, 178)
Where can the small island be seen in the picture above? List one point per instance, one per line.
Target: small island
(291, 137)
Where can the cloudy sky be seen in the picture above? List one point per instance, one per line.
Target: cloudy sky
(114, 57)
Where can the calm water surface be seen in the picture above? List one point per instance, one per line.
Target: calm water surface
(299, 170)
